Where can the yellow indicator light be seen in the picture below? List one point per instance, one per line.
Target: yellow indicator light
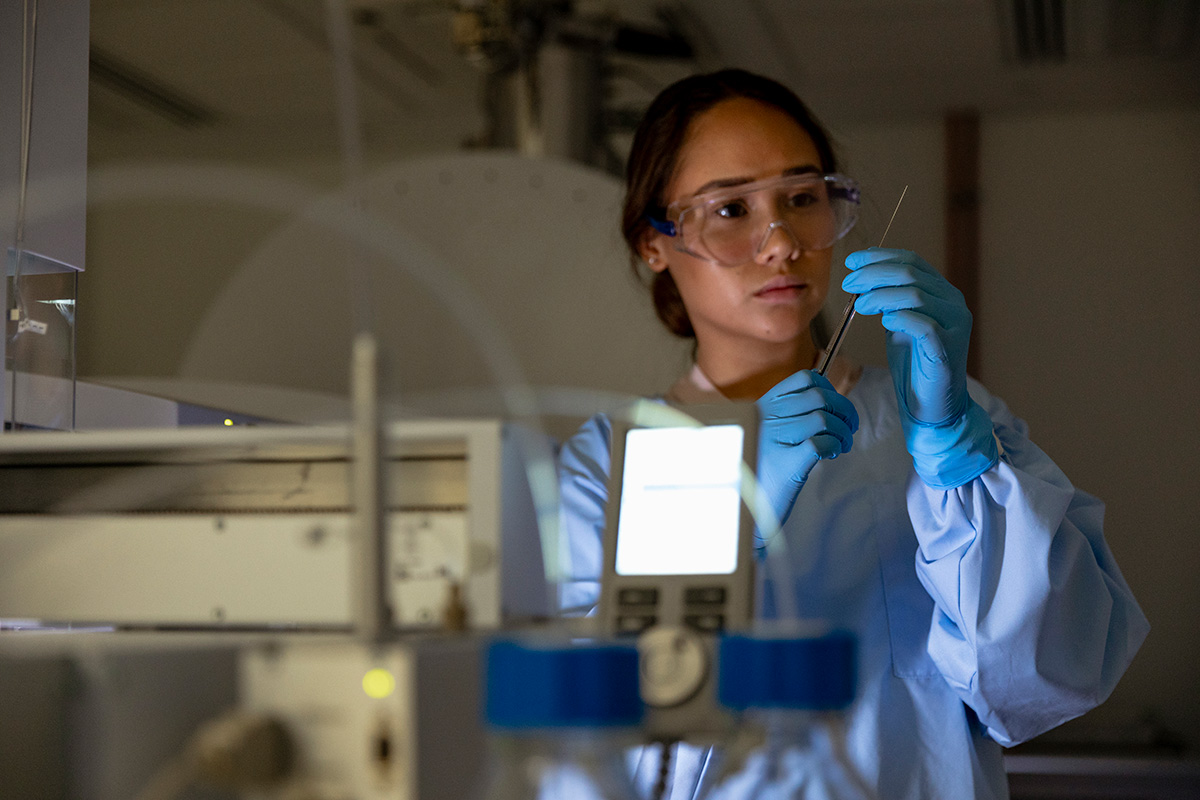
(379, 683)
(229, 422)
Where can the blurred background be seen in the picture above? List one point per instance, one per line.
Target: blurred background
(1051, 149)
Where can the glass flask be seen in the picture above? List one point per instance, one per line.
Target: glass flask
(791, 692)
(560, 718)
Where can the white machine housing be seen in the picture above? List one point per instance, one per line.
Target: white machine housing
(249, 527)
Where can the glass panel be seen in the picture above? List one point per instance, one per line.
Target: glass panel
(39, 345)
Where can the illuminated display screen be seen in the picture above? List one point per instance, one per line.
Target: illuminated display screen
(680, 501)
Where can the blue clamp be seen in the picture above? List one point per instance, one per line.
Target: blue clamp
(560, 685)
(811, 673)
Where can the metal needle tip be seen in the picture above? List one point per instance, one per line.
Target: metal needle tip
(839, 336)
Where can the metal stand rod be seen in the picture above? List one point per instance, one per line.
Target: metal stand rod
(371, 612)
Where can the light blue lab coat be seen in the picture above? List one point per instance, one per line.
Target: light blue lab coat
(986, 614)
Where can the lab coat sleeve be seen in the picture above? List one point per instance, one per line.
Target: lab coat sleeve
(583, 466)
(1033, 623)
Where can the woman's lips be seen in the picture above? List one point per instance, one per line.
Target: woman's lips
(781, 289)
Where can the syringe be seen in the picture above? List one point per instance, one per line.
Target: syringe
(836, 342)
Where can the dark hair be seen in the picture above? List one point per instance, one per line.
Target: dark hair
(655, 153)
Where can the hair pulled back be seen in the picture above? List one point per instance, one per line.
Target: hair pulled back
(655, 155)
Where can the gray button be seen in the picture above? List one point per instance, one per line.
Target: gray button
(709, 623)
(637, 597)
(635, 623)
(706, 595)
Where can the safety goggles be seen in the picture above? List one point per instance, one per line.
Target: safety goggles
(731, 225)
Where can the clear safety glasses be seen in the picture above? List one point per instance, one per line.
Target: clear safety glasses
(731, 226)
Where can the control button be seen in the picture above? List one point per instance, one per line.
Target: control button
(635, 623)
(674, 666)
(637, 597)
(707, 595)
(709, 623)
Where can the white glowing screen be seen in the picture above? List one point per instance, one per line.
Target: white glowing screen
(680, 503)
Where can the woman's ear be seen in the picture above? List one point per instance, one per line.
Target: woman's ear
(653, 252)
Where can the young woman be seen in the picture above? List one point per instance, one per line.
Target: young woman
(987, 604)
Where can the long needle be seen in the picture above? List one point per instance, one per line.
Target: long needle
(835, 343)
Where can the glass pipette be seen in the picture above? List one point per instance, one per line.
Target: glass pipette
(836, 342)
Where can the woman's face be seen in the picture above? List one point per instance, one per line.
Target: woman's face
(772, 298)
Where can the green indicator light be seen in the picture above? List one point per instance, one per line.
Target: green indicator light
(378, 683)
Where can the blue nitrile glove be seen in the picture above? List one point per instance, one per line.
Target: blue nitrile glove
(804, 419)
(947, 433)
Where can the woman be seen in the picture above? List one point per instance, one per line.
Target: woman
(988, 606)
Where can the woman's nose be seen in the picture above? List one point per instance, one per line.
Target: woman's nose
(777, 244)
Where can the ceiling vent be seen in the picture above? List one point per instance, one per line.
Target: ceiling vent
(1056, 31)
(1162, 29)
(1039, 30)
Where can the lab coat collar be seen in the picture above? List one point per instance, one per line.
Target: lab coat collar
(695, 387)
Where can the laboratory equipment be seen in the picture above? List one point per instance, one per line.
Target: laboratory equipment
(678, 512)
(731, 225)
(229, 548)
(148, 551)
(398, 721)
(790, 685)
(839, 335)
(560, 717)
(250, 526)
(39, 345)
(679, 552)
(241, 545)
(43, 191)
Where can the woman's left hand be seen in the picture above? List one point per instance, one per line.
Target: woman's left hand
(929, 327)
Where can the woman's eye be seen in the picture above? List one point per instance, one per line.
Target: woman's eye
(803, 199)
(731, 210)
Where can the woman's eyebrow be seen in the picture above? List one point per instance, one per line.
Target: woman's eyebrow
(722, 183)
(807, 169)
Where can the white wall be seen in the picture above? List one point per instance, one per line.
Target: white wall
(1089, 326)
(884, 159)
(153, 269)
(1090, 281)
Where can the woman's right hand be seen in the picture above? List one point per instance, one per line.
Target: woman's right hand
(804, 419)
